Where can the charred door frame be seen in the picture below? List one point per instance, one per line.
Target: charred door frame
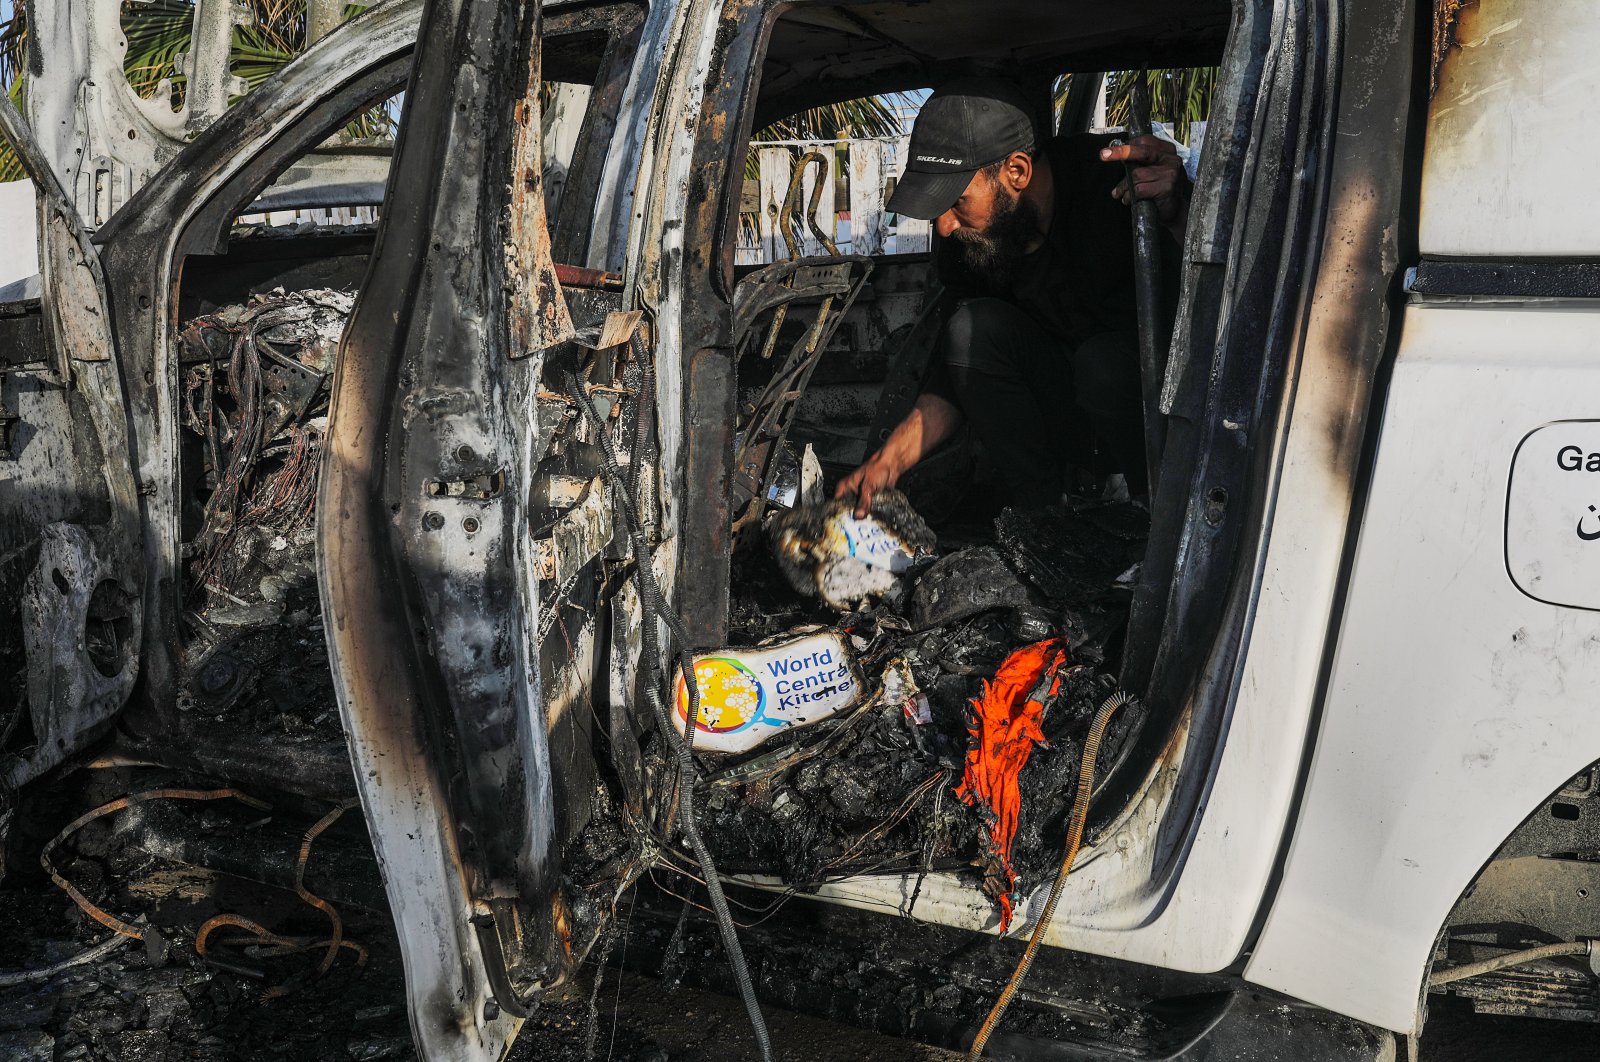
(72, 695)
(187, 208)
(710, 388)
(1255, 239)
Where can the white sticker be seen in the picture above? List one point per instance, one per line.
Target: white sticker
(1553, 515)
(747, 695)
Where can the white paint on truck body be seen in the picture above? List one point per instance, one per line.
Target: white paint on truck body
(1521, 79)
(1457, 703)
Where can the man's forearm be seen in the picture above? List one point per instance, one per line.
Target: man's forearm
(931, 421)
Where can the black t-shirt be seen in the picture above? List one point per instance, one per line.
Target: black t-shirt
(1080, 283)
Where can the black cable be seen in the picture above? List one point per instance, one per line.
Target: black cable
(650, 598)
(643, 423)
(643, 428)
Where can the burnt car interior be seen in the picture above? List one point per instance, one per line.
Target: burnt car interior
(818, 357)
(261, 319)
(830, 351)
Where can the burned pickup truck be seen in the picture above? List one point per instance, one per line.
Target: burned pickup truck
(495, 501)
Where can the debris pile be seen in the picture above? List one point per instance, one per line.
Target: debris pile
(979, 674)
(827, 551)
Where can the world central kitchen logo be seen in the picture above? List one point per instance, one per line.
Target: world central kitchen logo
(734, 698)
(799, 681)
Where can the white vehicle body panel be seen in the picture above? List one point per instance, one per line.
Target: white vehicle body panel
(1522, 78)
(1456, 702)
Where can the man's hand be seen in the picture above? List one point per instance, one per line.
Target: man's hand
(1156, 173)
(879, 472)
(930, 422)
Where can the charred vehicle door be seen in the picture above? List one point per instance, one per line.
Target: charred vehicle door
(103, 503)
(70, 533)
(463, 523)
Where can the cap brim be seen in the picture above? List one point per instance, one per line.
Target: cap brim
(924, 195)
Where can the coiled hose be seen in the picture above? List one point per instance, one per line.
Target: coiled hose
(654, 604)
(1075, 824)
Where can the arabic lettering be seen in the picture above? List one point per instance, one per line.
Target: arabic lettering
(1588, 536)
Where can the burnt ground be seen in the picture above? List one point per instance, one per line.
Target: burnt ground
(166, 1004)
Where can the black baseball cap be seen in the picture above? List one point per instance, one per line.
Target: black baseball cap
(963, 127)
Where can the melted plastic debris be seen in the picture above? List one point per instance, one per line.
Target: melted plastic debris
(1073, 558)
(872, 789)
(964, 584)
(827, 552)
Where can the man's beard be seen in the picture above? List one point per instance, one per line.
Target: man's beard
(994, 253)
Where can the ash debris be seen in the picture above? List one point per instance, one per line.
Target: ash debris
(160, 999)
(872, 790)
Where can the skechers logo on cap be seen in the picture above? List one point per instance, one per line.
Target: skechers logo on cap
(941, 160)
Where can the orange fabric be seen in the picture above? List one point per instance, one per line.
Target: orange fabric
(1005, 728)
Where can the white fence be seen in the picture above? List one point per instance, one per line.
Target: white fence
(855, 221)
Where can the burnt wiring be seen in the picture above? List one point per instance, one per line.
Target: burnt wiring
(125, 931)
(1075, 824)
(89, 907)
(833, 870)
(654, 605)
(591, 1016)
(316, 901)
(255, 391)
(276, 945)
(331, 945)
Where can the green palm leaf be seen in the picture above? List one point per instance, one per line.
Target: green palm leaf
(1178, 97)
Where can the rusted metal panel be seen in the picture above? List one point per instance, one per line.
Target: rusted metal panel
(538, 314)
(1446, 17)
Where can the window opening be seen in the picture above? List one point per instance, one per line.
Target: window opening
(856, 149)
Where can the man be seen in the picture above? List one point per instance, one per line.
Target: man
(1041, 354)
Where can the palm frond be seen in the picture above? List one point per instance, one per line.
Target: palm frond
(13, 60)
(158, 32)
(1177, 97)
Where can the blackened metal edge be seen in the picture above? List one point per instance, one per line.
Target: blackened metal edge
(1204, 597)
(1525, 278)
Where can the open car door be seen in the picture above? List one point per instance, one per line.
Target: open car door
(425, 554)
(71, 537)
